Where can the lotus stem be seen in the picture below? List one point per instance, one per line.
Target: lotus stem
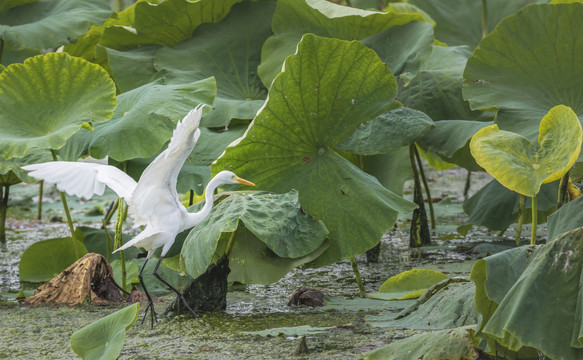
(534, 221)
(426, 186)
(357, 276)
(520, 220)
(106, 219)
(40, 200)
(467, 185)
(117, 240)
(484, 19)
(230, 244)
(3, 210)
(191, 198)
(65, 205)
(563, 185)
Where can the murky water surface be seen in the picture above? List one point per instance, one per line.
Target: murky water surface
(44, 332)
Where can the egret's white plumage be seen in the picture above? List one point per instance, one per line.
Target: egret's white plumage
(152, 201)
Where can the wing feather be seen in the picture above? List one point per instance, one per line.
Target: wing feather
(83, 179)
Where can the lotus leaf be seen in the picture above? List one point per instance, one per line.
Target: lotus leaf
(459, 22)
(388, 132)
(496, 207)
(528, 65)
(293, 18)
(45, 100)
(328, 88)
(450, 139)
(549, 286)
(148, 112)
(522, 166)
(165, 23)
(408, 285)
(45, 259)
(252, 262)
(567, 218)
(450, 344)
(104, 338)
(276, 220)
(446, 304)
(230, 51)
(49, 24)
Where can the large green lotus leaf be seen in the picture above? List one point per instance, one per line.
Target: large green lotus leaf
(494, 276)
(459, 22)
(148, 112)
(328, 88)
(104, 338)
(45, 100)
(132, 68)
(496, 207)
(528, 65)
(388, 132)
(275, 219)
(450, 139)
(568, 217)
(46, 259)
(550, 286)
(167, 23)
(403, 48)
(437, 88)
(293, 18)
(450, 344)
(230, 51)
(252, 262)
(447, 304)
(522, 166)
(50, 23)
(408, 284)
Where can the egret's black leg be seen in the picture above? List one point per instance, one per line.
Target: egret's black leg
(180, 295)
(150, 302)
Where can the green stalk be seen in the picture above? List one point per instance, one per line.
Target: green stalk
(118, 6)
(1, 48)
(65, 205)
(230, 244)
(426, 186)
(484, 19)
(40, 201)
(106, 219)
(3, 209)
(357, 276)
(520, 220)
(117, 240)
(563, 190)
(534, 222)
(467, 185)
(191, 198)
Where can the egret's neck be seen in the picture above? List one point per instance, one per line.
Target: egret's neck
(198, 217)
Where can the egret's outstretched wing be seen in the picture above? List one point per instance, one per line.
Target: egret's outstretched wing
(156, 189)
(83, 179)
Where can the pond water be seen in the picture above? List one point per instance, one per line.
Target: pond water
(44, 332)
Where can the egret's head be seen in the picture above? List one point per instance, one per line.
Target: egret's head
(228, 177)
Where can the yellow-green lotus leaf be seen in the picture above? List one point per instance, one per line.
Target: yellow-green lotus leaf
(522, 166)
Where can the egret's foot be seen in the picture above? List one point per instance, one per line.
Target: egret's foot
(153, 319)
(180, 298)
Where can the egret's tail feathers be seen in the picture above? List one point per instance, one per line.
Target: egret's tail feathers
(147, 239)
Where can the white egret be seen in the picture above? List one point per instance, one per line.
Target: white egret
(153, 201)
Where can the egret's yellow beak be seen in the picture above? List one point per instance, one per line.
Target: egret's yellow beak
(243, 181)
